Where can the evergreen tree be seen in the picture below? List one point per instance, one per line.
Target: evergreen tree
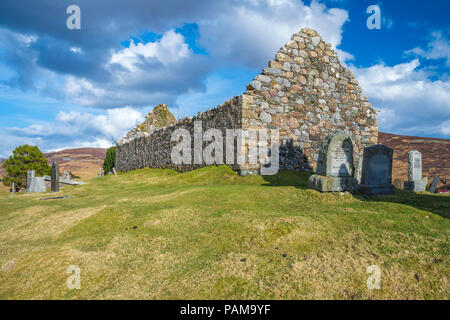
(110, 160)
(24, 158)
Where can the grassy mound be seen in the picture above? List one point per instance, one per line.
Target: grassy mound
(204, 234)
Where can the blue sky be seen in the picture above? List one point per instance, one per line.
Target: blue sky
(63, 88)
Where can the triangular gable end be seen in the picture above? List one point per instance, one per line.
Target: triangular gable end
(307, 94)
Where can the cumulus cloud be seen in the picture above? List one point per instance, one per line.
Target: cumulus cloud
(251, 31)
(73, 129)
(89, 67)
(410, 103)
(170, 49)
(437, 48)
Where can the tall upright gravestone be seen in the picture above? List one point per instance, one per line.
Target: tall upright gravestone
(30, 177)
(335, 169)
(376, 175)
(415, 182)
(55, 177)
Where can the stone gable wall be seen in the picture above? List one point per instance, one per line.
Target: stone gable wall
(305, 92)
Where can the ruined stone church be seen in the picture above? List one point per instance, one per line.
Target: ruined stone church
(305, 93)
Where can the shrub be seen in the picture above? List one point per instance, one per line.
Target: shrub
(24, 158)
(110, 160)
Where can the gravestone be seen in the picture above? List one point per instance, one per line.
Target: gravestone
(67, 175)
(415, 182)
(13, 188)
(55, 177)
(376, 175)
(99, 173)
(434, 184)
(37, 184)
(30, 176)
(335, 167)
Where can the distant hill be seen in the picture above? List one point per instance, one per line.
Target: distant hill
(83, 162)
(435, 155)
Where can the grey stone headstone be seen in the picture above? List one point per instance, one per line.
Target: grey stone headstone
(13, 188)
(37, 185)
(67, 175)
(415, 182)
(55, 177)
(99, 173)
(335, 167)
(414, 165)
(30, 176)
(434, 184)
(376, 175)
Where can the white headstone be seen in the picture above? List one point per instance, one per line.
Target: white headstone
(415, 182)
(414, 165)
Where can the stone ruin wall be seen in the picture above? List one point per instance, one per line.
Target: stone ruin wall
(154, 150)
(307, 94)
(304, 92)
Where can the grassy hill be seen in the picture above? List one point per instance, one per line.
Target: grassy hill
(210, 234)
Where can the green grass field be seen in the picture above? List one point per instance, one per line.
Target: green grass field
(210, 234)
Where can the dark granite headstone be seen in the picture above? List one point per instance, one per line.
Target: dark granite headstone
(335, 167)
(55, 177)
(376, 175)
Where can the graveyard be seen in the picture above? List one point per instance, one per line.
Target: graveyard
(287, 189)
(159, 234)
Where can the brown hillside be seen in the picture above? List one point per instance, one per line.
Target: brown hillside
(83, 162)
(435, 155)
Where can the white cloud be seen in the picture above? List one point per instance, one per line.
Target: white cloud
(437, 48)
(170, 49)
(73, 129)
(251, 32)
(142, 74)
(409, 101)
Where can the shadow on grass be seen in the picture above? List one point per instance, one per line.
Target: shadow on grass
(437, 204)
(298, 179)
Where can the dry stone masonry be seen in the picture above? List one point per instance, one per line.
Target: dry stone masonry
(305, 93)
